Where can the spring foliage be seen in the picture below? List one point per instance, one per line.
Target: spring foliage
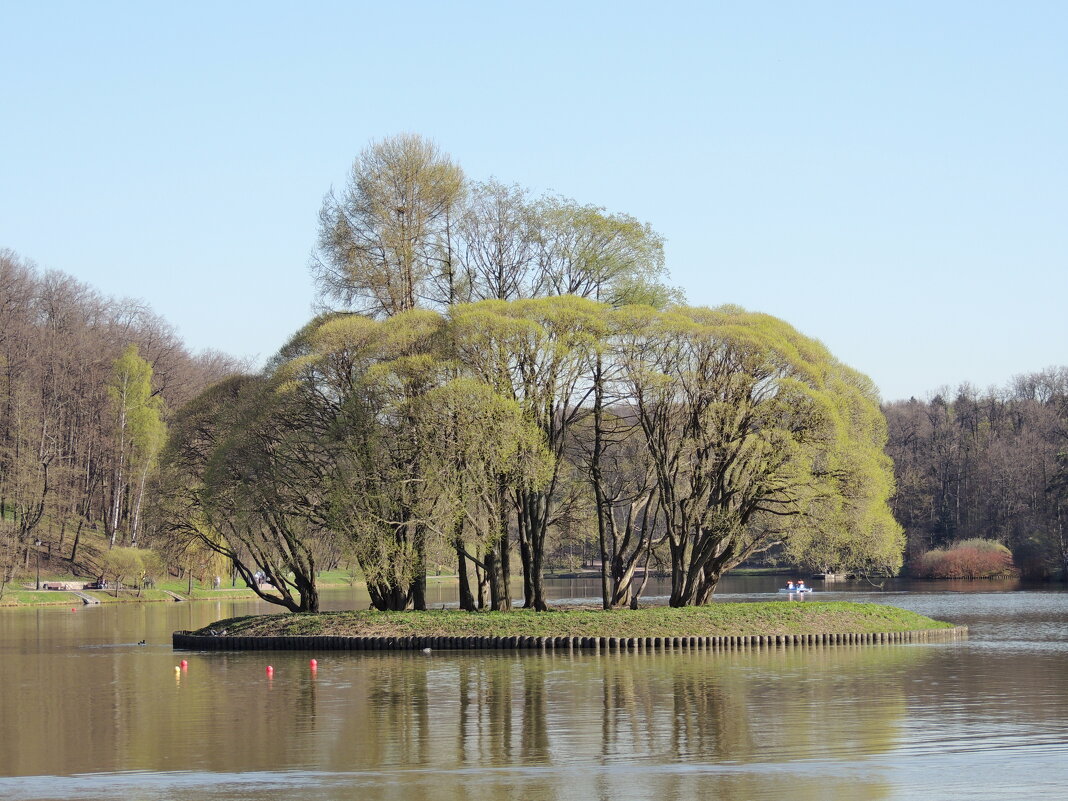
(460, 428)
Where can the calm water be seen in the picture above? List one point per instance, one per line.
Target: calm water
(87, 713)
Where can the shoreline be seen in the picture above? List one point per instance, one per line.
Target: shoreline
(22, 597)
(185, 641)
(69, 598)
(715, 625)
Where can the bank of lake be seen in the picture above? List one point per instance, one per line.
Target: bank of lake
(23, 594)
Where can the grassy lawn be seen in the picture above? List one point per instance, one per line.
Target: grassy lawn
(726, 619)
(21, 597)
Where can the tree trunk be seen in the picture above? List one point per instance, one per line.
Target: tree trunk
(135, 525)
(308, 591)
(483, 586)
(467, 600)
(533, 511)
(117, 489)
(499, 597)
(418, 588)
(77, 539)
(600, 502)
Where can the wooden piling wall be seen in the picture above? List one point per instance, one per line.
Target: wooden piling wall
(185, 641)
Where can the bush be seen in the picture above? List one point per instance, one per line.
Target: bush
(131, 564)
(968, 559)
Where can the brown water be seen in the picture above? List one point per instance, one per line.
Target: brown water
(87, 713)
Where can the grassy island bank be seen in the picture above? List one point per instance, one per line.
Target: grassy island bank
(717, 620)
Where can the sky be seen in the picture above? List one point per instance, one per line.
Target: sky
(890, 178)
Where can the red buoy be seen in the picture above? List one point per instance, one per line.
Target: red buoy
(314, 664)
(270, 670)
(185, 665)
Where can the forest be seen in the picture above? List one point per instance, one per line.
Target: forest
(991, 465)
(498, 385)
(86, 386)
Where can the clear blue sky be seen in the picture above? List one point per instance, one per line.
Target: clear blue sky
(891, 178)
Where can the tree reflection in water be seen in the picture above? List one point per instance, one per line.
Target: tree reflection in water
(606, 725)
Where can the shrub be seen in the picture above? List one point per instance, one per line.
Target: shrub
(983, 546)
(968, 559)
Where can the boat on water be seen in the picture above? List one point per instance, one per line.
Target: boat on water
(797, 590)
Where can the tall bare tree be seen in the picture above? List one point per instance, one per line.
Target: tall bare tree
(384, 237)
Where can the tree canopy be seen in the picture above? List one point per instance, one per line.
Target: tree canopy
(716, 433)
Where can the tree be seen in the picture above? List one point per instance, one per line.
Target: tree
(121, 564)
(621, 474)
(497, 249)
(59, 428)
(973, 464)
(264, 493)
(473, 442)
(245, 480)
(1058, 490)
(758, 437)
(384, 238)
(536, 352)
(408, 232)
(358, 380)
(140, 433)
(586, 252)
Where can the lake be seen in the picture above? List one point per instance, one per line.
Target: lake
(88, 713)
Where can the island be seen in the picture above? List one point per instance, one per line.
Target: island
(719, 625)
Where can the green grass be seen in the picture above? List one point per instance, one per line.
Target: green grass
(21, 597)
(726, 619)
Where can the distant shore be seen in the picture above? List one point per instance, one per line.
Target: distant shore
(24, 595)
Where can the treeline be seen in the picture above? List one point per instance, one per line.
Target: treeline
(86, 383)
(986, 465)
(499, 370)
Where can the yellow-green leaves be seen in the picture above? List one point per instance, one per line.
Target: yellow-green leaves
(754, 424)
(377, 240)
(727, 432)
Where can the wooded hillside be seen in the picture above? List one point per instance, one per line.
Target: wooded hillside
(86, 382)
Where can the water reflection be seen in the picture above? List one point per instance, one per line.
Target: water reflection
(410, 717)
(91, 714)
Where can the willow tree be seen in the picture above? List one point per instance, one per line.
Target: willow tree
(474, 440)
(759, 438)
(244, 477)
(612, 453)
(363, 379)
(386, 236)
(417, 451)
(538, 353)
